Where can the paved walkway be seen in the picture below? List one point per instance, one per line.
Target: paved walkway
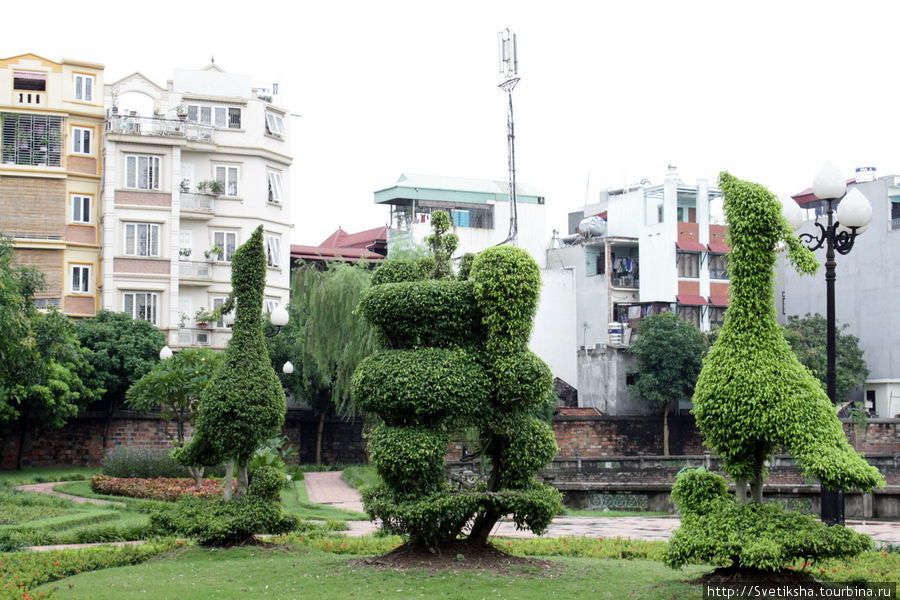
(329, 488)
(47, 488)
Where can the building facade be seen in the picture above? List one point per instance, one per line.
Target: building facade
(51, 131)
(867, 286)
(640, 251)
(479, 210)
(190, 170)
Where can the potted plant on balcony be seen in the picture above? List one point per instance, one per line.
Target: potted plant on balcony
(181, 112)
(205, 318)
(184, 253)
(216, 187)
(185, 185)
(213, 254)
(203, 186)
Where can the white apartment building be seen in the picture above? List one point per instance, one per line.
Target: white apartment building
(190, 170)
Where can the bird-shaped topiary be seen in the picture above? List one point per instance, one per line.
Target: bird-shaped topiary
(753, 395)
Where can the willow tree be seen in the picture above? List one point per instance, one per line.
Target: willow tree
(244, 403)
(753, 395)
(325, 337)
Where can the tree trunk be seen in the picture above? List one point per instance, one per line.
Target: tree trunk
(227, 482)
(666, 431)
(196, 474)
(756, 487)
(740, 490)
(485, 521)
(319, 437)
(19, 447)
(241, 479)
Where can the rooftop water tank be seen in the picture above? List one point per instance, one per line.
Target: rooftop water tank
(592, 227)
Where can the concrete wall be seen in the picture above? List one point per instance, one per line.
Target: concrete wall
(553, 336)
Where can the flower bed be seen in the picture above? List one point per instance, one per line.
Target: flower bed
(160, 488)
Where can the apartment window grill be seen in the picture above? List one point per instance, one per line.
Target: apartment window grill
(31, 139)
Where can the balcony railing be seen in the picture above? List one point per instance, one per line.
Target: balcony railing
(201, 202)
(628, 281)
(159, 126)
(194, 269)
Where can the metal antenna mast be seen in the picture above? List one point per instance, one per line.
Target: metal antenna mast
(509, 68)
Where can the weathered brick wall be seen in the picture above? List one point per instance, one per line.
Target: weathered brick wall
(594, 436)
(81, 441)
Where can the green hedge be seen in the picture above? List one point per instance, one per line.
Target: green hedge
(429, 385)
(410, 460)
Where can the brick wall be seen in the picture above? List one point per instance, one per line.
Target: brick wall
(80, 305)
(141, 265)
(82, 164)
(597, 435)
(50, 263)
(135, 198)
(81, 441)
(32, 205)
(83, 234)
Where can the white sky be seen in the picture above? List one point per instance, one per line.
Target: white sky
(610, 91)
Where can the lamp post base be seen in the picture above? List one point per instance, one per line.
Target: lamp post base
(832, 506)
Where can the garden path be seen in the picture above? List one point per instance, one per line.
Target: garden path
(47, 488)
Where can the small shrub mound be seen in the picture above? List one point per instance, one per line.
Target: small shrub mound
(161, 488)
(718, 530)
(129, 461)
(214, 522)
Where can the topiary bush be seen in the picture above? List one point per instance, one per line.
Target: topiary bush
(455, 355)
(718, 530)
(215, 522)
(143, 462)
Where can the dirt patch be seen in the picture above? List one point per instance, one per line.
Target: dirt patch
(740, 578)
(457, 556)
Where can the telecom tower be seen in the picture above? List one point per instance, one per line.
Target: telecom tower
(509, 68)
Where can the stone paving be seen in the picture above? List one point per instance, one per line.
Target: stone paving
(328, 488)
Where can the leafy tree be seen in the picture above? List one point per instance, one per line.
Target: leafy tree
(753, 394)
(243, 405)
(441, 244)
(122, 351)
(325, 339)
(669, 356)
(41, 361)
(454, 355)
(808, 340)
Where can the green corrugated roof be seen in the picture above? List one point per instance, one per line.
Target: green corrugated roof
(453, 189)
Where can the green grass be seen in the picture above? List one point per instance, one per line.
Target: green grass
(296, 501)
(46, 475)
(360, 476)
(300, 571)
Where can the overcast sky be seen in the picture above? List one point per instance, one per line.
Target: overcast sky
(610, 92)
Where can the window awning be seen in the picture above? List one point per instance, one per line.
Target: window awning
(690, 246)
(719, 248)
(691, 300)
(719, 300)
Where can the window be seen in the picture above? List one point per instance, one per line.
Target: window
(223, 117)
(227, 241)
(228, 177)
(718, 266)
(81, 279)
(141, 239)
(34, 81)
(81, 209)
(276, 193)
(274, 124)
(217, 302)
(273, 251)
(141, 172)
(691, 314)
(716, 316)
(141, 305)
(81, 140)
(31, 139)
(84, 87)
(688, 264)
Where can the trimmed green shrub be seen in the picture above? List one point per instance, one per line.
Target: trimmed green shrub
(214, 522)
(423, 313)
(140, 461)
(395, 383)
(530, 446)
(717, 530)
(410, 460)
(523, 381)
(395, 270)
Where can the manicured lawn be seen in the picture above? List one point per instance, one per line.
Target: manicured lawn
(302, 572)
(46, 475)
(296, 501)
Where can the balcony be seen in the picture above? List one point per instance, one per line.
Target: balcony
(194, 272)
(196, 206)
(159, 127)
(32, 227)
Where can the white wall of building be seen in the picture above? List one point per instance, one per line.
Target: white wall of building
(554, 335)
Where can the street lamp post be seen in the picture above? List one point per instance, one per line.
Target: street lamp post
(853, 215)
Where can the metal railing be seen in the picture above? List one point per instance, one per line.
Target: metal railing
(629, 281)
(201, 202)
(159, 126)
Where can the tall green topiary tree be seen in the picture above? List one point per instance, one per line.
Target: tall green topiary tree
(753, 394)
(454, 354)
(244, 404)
